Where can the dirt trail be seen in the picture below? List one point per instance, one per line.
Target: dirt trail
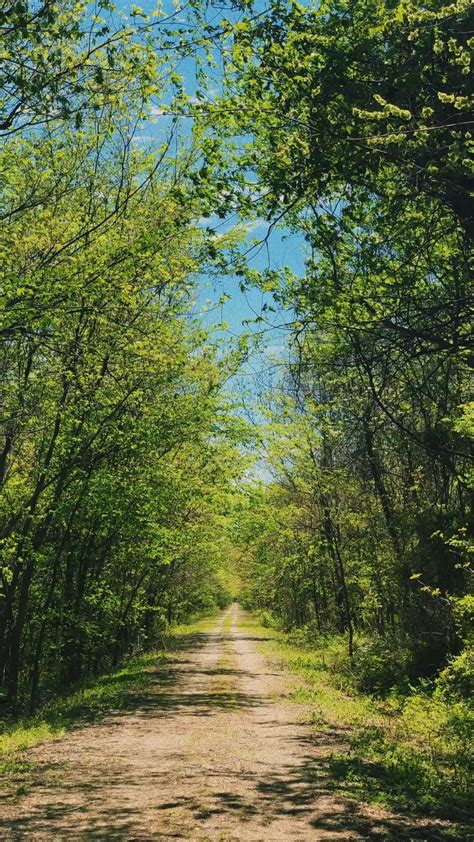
(212, 751)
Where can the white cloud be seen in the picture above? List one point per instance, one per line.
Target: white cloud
(158, 111)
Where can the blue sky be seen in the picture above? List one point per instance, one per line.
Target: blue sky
(281, 247)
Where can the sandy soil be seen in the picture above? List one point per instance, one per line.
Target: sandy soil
(214, 750)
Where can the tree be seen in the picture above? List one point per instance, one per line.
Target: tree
(352, 122)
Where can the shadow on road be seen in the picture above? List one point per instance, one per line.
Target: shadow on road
(103, 805)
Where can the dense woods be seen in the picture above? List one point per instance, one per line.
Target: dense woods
(117, 444)
(126, 488)
(361, 117)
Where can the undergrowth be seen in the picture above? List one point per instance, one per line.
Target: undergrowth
(409, 749)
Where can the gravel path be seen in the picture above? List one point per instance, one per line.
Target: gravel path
(214, 750)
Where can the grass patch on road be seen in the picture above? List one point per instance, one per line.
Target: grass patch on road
(227, 624)
(201, 625)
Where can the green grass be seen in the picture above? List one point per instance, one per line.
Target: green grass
(227, 624)
(408, 753)
(201, 625)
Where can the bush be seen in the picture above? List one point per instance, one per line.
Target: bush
(379, 664)
(464, 618)
(422, 757)
(457, 680)
(299, 637)
(267, 620)
(441, 732)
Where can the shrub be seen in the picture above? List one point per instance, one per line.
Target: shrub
(464, 618)
(379, 664)
(457, 680)
(441, 732)
(266, 620)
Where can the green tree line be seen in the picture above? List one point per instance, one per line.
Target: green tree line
(118, 444)
(353, 122)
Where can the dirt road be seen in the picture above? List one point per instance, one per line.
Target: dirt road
(214, 750)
